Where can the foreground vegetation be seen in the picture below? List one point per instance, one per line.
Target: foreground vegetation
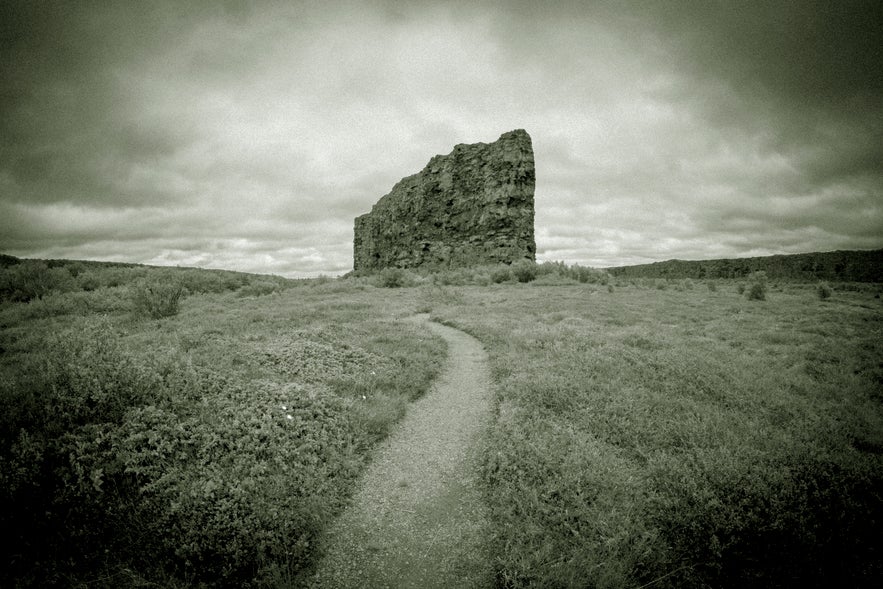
(681, 437)
(185, 427)
(165, 431)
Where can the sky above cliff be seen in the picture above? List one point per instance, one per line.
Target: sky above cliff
(248, 135)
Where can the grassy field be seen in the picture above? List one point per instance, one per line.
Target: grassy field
(210, 446)
(184, 427)
(667, 435)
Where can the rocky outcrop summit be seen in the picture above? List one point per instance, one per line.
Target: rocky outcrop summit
(473, 206)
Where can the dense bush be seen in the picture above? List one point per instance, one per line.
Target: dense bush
(524, 271)
(778, 521)
(33, 279)
(158, 298)
(62, 491)
(501, 274)
(393, 278)
(222, 516)
(757, 286)
(146, 469)
(258, 288)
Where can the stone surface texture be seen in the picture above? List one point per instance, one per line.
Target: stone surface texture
(473, 206)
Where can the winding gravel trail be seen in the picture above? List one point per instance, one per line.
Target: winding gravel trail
(417, 519)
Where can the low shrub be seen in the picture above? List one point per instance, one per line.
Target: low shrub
(501, 274)
(554, 279)
(393, 278)
(158, 299)
(757, 287)
(584, 274)
(33, 279)
(258, 288)
(524, 271)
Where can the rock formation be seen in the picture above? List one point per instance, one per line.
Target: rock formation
(472, 206)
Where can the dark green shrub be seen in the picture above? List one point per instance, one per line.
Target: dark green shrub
(757, 287)
(823, 290)
(583, 274)
(65, 500)
(453, 277)
(524, 271)
(393, 278)
(774, 525)
(158, 299)
(33, 279)
(242, 481)
(258, 288)
(143, 468)
(501, 274)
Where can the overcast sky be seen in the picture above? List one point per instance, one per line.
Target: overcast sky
(248, 135)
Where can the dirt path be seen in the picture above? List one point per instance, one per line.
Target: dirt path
(417, 519)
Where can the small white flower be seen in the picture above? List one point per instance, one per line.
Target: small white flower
(289, 416)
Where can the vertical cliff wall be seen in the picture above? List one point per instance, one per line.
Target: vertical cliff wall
(472, 206)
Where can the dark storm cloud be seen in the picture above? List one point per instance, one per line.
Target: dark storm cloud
(248, 135)
(811, 70)
(67, 132)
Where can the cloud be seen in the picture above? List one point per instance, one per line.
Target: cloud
(249, 135)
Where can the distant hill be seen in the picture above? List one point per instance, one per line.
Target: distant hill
(839, 266)
(6, 260)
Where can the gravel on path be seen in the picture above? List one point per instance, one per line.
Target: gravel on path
(417, 519)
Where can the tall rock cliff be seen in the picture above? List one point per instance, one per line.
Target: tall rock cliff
(472, 206)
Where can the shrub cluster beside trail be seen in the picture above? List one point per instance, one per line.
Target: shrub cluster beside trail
(120, 461)
(210, 448)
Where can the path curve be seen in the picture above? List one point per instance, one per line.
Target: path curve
(417, 519)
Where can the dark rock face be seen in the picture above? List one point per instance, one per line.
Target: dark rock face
(472, 206)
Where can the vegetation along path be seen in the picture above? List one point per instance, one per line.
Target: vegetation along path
(417, 519)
